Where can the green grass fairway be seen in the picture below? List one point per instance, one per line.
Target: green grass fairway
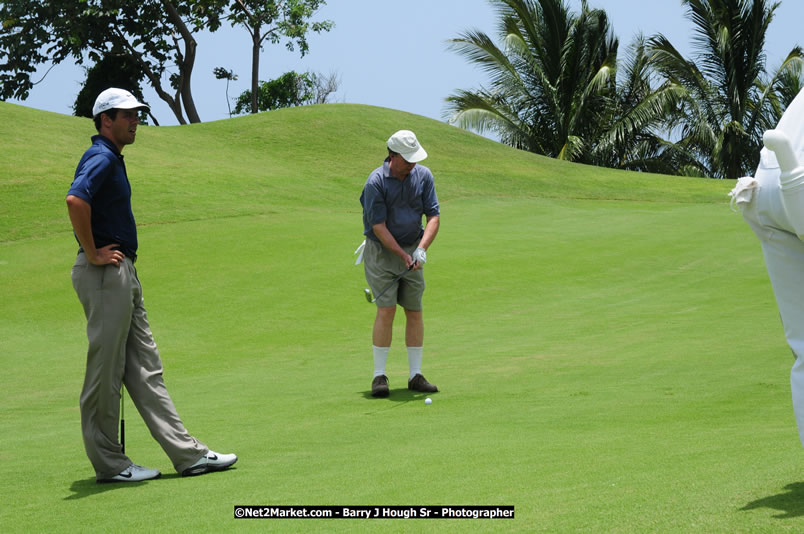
(607, 344)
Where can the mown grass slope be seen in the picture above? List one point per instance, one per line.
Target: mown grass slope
(606, 343)
(310, 158)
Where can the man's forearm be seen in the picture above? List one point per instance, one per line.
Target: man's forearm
(388, 241)
(430, 231)
(81, 218)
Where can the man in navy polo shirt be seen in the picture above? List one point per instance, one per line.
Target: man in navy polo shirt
(121, 347)
(395, 198)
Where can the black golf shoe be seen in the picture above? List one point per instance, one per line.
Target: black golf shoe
(379, 386)
(419, 383)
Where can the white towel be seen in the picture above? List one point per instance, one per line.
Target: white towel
(743, 192)
(360, 250)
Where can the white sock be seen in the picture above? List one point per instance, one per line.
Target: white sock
(415, 361)
(380, 357)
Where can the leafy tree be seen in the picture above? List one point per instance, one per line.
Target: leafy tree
(289, 90)
(157, 34)
(111, 71)
(228, 75)
(727, 99)
(789, 84)
(631, 135)
(272, 20)
(553, 87)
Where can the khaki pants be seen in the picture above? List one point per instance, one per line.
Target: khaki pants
(122, 349)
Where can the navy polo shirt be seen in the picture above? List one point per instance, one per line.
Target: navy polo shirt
(101, 180)
(400, 204)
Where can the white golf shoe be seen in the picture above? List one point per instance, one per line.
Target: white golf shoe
(211, 461)
(134, 473)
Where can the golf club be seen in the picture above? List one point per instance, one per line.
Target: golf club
(396, 279)
(122, 420)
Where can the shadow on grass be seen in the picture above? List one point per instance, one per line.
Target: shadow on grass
(89, 487)
(791, 502)
(398, 397)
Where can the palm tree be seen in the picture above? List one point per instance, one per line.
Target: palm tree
(553, 88)
(631, 135)
(726, 100)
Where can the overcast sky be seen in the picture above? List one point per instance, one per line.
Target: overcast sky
(393, 54)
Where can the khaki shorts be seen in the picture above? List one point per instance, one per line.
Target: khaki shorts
(382, 266)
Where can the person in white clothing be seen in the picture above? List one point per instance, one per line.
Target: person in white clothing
(772, 202)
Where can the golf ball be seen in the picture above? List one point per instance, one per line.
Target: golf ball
(428, 400)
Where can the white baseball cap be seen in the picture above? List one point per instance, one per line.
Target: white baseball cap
(114, 98)
(404, 143)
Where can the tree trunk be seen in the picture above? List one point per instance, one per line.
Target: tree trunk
(153, 79)
(187, 62)
(174, 104)
(186, 90)
(255, 68)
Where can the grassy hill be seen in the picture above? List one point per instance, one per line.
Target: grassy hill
(314, 157)
(606, 343)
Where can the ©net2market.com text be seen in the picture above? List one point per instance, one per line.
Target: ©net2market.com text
(373, 512)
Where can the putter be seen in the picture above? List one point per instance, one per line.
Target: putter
(398, 277)
(122, 420)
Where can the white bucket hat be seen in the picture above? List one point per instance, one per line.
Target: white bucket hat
(404, 143)
(114, 98)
